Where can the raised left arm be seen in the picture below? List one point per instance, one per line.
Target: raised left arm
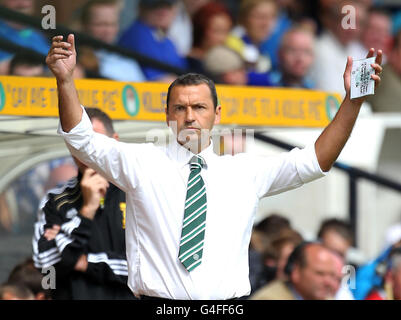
(333, 138)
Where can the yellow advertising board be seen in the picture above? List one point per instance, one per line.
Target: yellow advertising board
(245, 106)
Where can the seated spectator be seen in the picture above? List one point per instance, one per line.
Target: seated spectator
(20, 34)
(100, 19)
(181, 30)
(27, 275)
(148, 36)
(280, 248)
(388, 95)
(296, 54)
(211, 26)
(334, 46)
(259, 273)
(391, 286)
(343, 292)
(312, 275)
(15, 292)
(336, 235)
(226, 65)
(27, 65)
(375, 34)
(267, 228)
(257, 20)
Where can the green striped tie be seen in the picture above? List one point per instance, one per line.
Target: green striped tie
(193, 227)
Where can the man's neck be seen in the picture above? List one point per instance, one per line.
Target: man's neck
(196, 147)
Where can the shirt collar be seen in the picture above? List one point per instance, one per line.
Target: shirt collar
(295, 293)
(182, 155)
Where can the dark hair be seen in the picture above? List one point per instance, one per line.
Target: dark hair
(86, 10)
(339, 226)
(273, 223)
(298, 256)
(201, 20)
(95, 113)
(277, 241)
(27, 59)
(27, 275)
(193, 79)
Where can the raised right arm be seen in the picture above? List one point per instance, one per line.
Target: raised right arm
(61, 60)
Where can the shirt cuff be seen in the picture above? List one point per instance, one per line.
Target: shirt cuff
(80, 134)
(307, 164)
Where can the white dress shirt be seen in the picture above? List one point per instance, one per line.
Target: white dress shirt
(155, 181)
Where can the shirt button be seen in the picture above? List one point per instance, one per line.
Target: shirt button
(195, 256)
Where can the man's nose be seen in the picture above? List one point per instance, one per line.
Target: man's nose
(189, 115)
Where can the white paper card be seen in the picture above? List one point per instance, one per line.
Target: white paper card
(362, 83)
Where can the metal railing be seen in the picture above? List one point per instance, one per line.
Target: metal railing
(354, 174)
(81, 39)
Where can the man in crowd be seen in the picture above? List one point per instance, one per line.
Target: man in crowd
(80, 231)
(388, 95)
(148, 36)
(189, 211)
(100, 19)
(336, 235)
(20, 34)
(312, 272)
(296, 56)
(26, 65)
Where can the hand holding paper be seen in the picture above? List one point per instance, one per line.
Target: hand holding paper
(362, 76)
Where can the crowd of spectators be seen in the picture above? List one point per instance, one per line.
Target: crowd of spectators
(289, 43)
(276, 43)
(284, 265)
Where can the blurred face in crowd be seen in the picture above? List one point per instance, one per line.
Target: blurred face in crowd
(338, 265)
(377, 33)
(28, 71)
(160, 17)
(22, 6)
(284, 253)
(334, 241)
(347, 35)
(314, 281)
(296, 54)
(236, 77)
(104, 22)
(192, 111)
(260, 21)
(217, 31)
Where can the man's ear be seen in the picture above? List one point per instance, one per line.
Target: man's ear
(116, 136)
(167, 118)
(217, 115)
(295, 274)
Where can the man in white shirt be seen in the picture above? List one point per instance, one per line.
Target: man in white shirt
(190, 212)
